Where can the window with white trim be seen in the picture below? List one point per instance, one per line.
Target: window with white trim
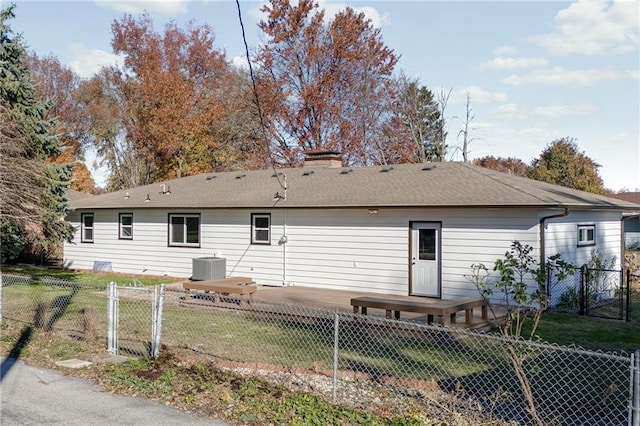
(126, 226)
(184, 230)
(586, 235)
(260, 228)
(86, 234)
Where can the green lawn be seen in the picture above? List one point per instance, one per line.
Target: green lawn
(88, 277)
(555, 327)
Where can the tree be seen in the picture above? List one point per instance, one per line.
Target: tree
(58, 85)
(466, 130)
(172, 109)
(518, 270)
(32, 190)
(104, 102)
(511, 165)
(418, 110)
(562, 163)
(324, 85)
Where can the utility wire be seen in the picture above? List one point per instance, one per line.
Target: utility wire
(257, 98)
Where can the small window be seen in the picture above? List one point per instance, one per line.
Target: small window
(184, 230)
(586, 235)
(126, 226)
(86, 235)
(260, 228)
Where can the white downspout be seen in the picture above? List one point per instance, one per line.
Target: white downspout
(284, 248)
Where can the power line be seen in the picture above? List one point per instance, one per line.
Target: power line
(256, 97)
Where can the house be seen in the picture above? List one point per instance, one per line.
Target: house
(632, 221)
(411, 229)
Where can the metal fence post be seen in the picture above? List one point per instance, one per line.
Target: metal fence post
(634, 401)
(628, 295)
(0, 298)
(583, 293)
(156, 326)
(112, 319)
(336, 335)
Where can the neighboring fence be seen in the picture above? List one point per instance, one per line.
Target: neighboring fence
(605, 293)
(602, 293)
(344, 357)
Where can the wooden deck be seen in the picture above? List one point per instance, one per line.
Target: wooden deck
(340, 300)
(430, 307)
(232, 285)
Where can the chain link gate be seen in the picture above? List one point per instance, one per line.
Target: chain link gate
(127, 318)
(605, 293)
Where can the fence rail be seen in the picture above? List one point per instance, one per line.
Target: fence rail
(340, 355)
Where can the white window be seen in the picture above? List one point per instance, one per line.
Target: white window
(126, 226)
(586, 235)
(260, 228)
(86, 235)
(184, 230)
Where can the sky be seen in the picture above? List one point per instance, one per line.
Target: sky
(535, 71)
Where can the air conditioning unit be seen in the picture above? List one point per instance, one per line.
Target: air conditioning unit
(209, 268)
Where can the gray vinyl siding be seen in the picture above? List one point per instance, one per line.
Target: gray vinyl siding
(562, 236)
(341, 249)
(333, 249)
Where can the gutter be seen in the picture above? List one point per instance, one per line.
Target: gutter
(542, 239)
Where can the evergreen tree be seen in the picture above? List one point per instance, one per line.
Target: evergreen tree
(32, 189)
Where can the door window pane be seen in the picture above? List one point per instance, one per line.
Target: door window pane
(427, 244)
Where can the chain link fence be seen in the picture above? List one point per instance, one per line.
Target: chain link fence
(350, 358)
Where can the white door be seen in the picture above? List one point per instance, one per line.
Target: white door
(425, 259)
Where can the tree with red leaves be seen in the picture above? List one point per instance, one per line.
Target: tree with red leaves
(325, 85)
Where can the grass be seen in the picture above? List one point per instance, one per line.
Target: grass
(288, 340)
(86, 277)
(593, 333)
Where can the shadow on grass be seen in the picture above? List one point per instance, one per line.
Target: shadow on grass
(14, 354)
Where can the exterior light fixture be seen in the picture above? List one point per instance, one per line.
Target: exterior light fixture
(373, 211)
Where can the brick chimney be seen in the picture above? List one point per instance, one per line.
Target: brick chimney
(323, 159)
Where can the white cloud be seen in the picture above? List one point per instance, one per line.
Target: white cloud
(86, 61)
(511, 112)
(477, 95)
(559, 111)
(240, 62)
(160, 7)
(511, 63)
(558, 76)
(594, 27)
(505, 51)
(377, 18)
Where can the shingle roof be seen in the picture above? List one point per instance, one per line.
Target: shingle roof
(73, 195)
(407, 185)
(633, 197)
